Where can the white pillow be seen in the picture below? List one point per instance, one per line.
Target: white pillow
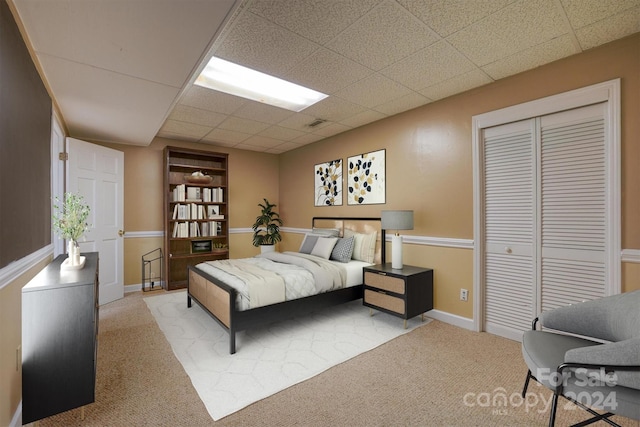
(324, 246)
(364, 248)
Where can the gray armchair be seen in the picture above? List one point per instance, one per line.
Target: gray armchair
(600, 369)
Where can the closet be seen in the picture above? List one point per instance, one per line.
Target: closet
(544, 205)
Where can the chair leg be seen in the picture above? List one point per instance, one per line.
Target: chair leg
(526, 383)
(554, 405)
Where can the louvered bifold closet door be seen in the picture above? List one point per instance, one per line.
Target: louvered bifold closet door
(573, 199)
(509, 219)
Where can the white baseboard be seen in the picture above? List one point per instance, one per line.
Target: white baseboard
(16, 421)
(452, 319)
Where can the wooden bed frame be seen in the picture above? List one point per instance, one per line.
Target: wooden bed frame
(219, 299)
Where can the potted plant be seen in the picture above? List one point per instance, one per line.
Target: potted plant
(70, 223)
(266, 230)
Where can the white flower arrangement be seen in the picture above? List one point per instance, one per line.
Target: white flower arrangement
(70, 220)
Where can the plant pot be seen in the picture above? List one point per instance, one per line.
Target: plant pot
(267, 248)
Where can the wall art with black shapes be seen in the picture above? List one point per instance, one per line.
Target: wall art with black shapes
(366, 179)
(328, 183)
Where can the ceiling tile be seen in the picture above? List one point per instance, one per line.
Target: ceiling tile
(239, 124)
(327, 72)
(586, 12)
(385, 35)
(212, 100)
(461, 83)
(185, 113)
(448, 16)
(363, 118)
(331, 129)
(385, 90)
(317, 21)
(261, 141)
(219, 144)
(609, 29)
(307, 139)
(285, 146)
(531, 58)
(185, 129)
(408, 102)
(429, 66)
(259, 44)
(281, 133)
(333, 109)
(298, 121)
(515, 28)
(263, 112)
(223, 135)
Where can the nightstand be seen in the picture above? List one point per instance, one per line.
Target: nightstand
(404, 293)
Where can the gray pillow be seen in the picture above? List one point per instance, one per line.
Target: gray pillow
(343, 249)
(308, 243)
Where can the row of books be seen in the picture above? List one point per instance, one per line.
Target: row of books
(197, 229)
(195, 211)
(182, 193)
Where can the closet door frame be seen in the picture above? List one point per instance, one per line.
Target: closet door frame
(608, 92)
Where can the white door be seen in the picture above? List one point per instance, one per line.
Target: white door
(545, 210)
(97, 173)
(509, 228)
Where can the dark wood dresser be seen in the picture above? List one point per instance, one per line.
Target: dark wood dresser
(59, 339)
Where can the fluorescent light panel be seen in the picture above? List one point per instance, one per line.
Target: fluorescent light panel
(235, 79)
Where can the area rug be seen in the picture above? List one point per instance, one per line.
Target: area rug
(269, 358)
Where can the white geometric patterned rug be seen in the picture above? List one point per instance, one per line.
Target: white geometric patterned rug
(271, 358)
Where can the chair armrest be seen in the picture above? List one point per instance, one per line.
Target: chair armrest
(623, 357)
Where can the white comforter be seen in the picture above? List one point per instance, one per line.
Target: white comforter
(303, 275)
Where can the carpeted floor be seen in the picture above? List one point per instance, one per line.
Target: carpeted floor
(436, 375)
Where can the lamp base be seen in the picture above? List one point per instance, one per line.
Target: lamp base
(396, 252)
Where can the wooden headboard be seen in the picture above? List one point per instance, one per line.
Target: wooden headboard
(358, 225)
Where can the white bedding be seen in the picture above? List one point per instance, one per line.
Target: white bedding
(299, 282)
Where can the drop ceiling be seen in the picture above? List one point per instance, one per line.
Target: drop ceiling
(123, 71)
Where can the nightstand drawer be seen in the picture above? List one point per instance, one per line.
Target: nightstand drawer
(382, 300)
(387, 283)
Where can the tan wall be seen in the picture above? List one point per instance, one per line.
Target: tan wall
(11, 339)
(252, 177)
(429, 162)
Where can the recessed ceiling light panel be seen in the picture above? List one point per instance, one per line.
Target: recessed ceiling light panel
(237, 80)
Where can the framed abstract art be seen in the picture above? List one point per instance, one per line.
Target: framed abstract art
(328, 183)
(366, 181)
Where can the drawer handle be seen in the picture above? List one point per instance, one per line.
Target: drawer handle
(382, 273)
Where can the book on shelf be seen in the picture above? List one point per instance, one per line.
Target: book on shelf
(179, 193)
(194, 194)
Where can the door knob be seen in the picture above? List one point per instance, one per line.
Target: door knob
(121, 233)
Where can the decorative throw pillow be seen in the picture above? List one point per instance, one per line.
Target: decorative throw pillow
(330, 232)
(308, 243)
(343, 250)
(364, 247)
(324, 246)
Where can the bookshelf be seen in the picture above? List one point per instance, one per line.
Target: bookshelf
(195, 211)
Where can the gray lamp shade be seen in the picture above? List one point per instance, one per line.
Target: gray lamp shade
(397, 220)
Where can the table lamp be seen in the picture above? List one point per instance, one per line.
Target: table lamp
(396, 220)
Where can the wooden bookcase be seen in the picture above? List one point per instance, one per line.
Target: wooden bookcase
(195, 211)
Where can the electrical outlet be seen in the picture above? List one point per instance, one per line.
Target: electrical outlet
(464, 295)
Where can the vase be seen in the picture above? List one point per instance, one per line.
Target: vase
(73, 251)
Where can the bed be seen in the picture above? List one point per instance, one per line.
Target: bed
(220, 288)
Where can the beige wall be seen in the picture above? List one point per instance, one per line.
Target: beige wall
(252, 177)
(429, 163)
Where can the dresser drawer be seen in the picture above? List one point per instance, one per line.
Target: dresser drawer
(386, 283)
(382, 300)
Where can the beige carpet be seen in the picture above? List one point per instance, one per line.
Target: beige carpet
(436, 375)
